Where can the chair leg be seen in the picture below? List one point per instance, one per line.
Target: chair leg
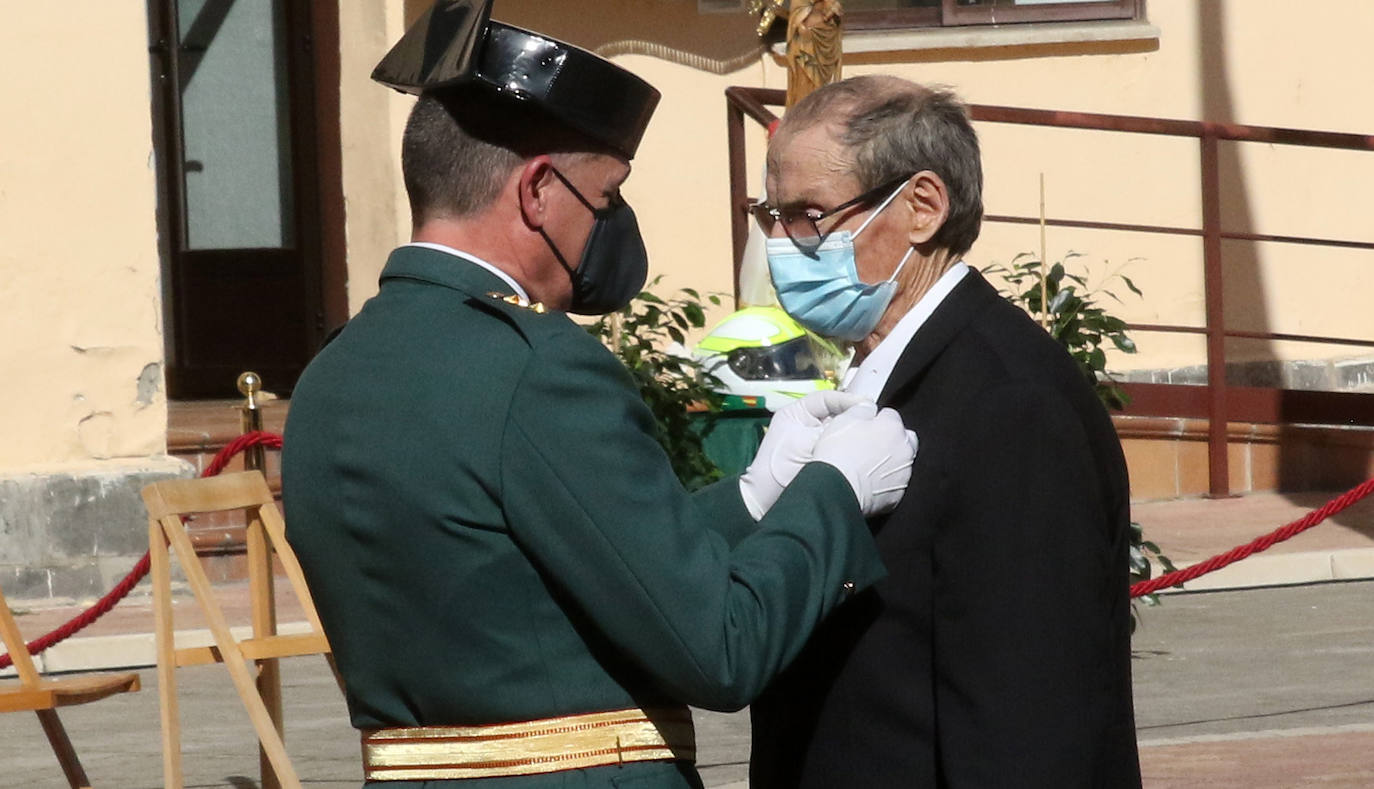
(62, 748)
(234, 662)
(263, 605)
(166, 658)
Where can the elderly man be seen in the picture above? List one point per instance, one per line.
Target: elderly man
(996, 653)
(517, 590)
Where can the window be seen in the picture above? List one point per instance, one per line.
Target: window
(882, 14)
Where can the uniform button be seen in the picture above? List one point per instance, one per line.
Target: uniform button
(848, 587)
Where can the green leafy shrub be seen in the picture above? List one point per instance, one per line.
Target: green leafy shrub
(679, 392)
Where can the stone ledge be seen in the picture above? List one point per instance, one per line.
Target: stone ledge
(74, 533)
(990, 36)
(1331, 375)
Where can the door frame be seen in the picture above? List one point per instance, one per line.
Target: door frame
(313, 67)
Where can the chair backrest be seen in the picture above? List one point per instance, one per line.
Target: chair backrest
(206, 494)
(167, 501)
(14, 642)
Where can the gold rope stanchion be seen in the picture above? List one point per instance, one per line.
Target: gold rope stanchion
(250, 418)
(261, 589)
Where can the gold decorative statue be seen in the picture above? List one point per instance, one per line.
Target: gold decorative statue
(815, 33)
(767, 11)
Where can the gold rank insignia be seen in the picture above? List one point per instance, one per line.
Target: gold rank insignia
(537, 307)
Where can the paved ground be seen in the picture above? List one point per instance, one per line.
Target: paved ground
(1261, 688)
(1267, 687)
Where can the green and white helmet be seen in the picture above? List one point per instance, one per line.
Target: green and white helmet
(766, 359)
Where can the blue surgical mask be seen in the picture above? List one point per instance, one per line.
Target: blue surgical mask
(822, 291)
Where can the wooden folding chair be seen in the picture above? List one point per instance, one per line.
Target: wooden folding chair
(44, 696)
(167, 501)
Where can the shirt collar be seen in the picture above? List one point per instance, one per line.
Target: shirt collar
(869, 378)
(471, 258)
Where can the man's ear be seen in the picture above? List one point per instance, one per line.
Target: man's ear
(928, 199)
(534, 180)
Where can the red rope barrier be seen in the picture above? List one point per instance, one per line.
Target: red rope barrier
(122, 589)
(1255, 546)
(255, 438)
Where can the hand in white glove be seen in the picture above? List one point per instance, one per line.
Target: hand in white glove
(874, 451)
(786, 447)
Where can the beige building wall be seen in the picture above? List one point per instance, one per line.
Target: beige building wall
(84, 422)
(372, 119)
(1225, 60)
(80, 305)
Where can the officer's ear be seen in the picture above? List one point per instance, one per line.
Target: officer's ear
(535, 179)
(928, 199)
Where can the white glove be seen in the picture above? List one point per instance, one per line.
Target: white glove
(786, 447)
(874, 451)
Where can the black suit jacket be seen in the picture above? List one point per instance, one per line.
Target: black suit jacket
(997, 651)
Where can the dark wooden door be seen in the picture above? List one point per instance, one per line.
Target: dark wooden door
(237, 155)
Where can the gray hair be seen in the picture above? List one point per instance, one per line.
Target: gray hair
(459, 147)
(892, 127)
(449, 172)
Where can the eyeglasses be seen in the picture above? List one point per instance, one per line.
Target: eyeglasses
(802, 225)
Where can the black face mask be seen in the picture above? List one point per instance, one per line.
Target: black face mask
(614, 264)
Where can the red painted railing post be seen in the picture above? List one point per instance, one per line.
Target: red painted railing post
(739, 221)
(1218, 462)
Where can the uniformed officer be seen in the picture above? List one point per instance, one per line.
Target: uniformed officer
(517, 590)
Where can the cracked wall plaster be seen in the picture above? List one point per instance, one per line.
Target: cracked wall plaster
(149, 384)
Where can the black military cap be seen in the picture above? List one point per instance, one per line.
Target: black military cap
(456, 44)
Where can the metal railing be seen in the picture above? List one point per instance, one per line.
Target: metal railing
(1218, 402)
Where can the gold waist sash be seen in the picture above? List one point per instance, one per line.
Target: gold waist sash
(595, 739)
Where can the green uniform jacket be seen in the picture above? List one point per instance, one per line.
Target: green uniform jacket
(492, 534)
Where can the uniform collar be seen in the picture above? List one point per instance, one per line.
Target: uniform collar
(434, 263)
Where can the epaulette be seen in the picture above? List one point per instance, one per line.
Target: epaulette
(512, 299)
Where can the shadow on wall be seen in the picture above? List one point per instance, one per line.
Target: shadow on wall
(1307, 460)
(1245, 289)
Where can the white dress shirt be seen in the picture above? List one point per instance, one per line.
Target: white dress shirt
(869, 378)
(471, 258)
